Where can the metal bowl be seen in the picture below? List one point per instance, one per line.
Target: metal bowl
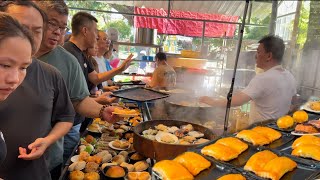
(160, 151)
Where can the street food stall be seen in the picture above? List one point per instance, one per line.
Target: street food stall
(144, 147)
(169, 134)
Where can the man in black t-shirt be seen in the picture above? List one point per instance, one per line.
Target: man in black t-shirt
(84, 36)
(38, 113)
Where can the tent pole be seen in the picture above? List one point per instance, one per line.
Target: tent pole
(203, 31)
(272, 25)
(229, 96)
(169, 8)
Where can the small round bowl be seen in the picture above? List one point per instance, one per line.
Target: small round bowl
(106, 177)
(132, 161)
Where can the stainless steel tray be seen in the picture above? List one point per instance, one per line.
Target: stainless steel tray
(140, 94)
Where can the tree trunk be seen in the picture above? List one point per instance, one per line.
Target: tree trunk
(313, 35)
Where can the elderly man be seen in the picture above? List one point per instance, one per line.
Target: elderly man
(103, 47)
(42, 113)
(270, 92)
(51, 53)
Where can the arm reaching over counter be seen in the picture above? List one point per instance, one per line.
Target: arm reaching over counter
(270, 93)
(97, 78)
(237, 100)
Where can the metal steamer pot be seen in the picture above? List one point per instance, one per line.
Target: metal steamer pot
(191, 113)
(159, 151)
(146, 36)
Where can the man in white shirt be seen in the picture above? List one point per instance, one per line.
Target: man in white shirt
(270, 92)
(103, 46)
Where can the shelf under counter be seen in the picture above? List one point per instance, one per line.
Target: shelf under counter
(249, 70)
(143, 75)
(137, 44)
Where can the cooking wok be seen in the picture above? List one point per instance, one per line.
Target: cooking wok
(188, 108)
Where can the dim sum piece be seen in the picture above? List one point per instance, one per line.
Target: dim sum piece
(277, 167)
(195, 134)
(307, 151)
(253, 137)
(169, 169)
(220, 152)
(259, 160)
(306, 139)
(232, 177)
(270, 133)
(194, 162)
(76, 175)
(234, 143)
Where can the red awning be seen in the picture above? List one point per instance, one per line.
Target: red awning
(185, 27)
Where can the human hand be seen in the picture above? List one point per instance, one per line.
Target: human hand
(206, 100)
(105, 98)
(126, 63)
(98, 93)
(38, 147)
(109, 116)
(111, 88)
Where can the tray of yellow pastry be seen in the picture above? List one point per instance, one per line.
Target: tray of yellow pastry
(190, 165)
(265, 136)
(227, 150)
(292, 172)
(231, 150)
(272, 164)
(304, 150)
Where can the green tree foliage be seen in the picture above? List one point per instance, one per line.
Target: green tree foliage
(254, 32)
(123, 28)
(104, 19)
(313, 38)
(88, 4)
(303, 25)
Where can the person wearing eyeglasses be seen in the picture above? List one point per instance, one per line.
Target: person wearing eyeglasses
(55, 55)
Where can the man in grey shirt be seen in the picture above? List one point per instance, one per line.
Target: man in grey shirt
(51, 53)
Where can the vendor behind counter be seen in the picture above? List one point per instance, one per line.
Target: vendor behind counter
(164, 76)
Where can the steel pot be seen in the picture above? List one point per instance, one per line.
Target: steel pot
(146, 36)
